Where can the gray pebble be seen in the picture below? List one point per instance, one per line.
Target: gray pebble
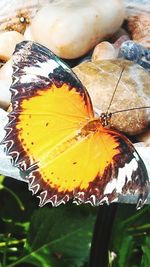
(132, 51)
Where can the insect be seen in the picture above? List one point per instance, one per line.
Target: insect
(60, 146)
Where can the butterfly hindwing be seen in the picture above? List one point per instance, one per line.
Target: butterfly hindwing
(54, 138)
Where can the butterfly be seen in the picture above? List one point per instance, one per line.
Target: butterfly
(53, 136)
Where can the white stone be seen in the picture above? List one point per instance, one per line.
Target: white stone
(5, 82)
(27, 34)
(71, 28)
(8, 41)
(5, 94)
(6, 71)
(104, 50)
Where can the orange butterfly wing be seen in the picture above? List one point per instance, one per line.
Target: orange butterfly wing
(54, 138)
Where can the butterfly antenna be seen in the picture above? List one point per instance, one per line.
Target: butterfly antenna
(114, 91)
(122, 110)
(129, 109)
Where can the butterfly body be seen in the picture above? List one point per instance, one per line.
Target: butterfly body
(53, 136)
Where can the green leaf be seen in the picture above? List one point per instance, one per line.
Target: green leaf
(128, 236)
(146, 251)
(125, 249)
(59, 237)
(1, 181)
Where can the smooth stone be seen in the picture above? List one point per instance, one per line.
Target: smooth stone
(133, 51)
(6, 71)
(28, 34)
(120, 41)
(8, 41)
(71, 28)
(5, 82)
(104, 50)
(133, 91)
(5, 94)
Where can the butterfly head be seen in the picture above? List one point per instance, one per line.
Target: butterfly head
(105, 119)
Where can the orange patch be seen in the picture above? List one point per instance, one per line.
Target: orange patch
(50, 118)
(65, 139)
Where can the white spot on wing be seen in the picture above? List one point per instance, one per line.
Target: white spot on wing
(110, 187)
(125, 173)
(28, 78)
(42, 68)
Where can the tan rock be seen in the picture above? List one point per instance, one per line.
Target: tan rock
(133, 91)
(139, 27)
